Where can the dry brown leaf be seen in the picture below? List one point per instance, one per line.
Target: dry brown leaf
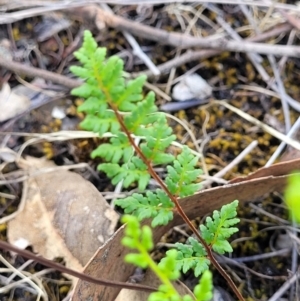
(11, 104)
(150, 279)
(64, 216)
(108, 261)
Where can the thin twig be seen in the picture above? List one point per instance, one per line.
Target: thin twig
(35, 72)
(63, 269)
(40, 291)
(260, 124)
(50, 6)
(270, 215)
(137, 50)
(282, 252)
(224, 259)
(163, 68)
(21, 206)
(234, 162)
(285, 287)
(190, 55)
(282, 145)
(282, 93)
(182, 40)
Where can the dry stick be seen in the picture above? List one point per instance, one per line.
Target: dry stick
(68, 3)
(285, 287)
(253, 58)
(230, 261)
(294, 129)
(40, 291)
(260, 124)
(179, 39)
(282, 93)
(137, 50)
(281, 252)
(270, 215)
(35, 72)
(234, 162)
(203, 54)
(290, 41)
(162, 36)
(63, 269)
(276, 72)
(187, 57)
(231, 32)
(291, 19)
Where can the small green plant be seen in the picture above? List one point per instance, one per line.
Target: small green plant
(115, 105)
(292, 196)
(140, 239)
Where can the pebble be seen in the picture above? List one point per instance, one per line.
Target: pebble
(192, 86)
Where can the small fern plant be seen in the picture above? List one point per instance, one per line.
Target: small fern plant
(119, 107)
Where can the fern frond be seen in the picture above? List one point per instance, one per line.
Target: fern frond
(156, 205)
(204, 290)
(119, 106)
(181, 177)
(110, 78)
(93, 105)
(137, 237)
(101, 125)
(219, 228)
(191, 256)
(131, 94)
(133, 171)
(118, 149)
(158, 138)
(107, 93)
(88, 50)
(86, 90)
(138, 116)
(140, 238)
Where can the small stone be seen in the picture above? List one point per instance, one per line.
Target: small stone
(58, 112)
(11, 104)
(192, 86)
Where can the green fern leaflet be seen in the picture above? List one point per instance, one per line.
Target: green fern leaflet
(219, 228)
(156, 205)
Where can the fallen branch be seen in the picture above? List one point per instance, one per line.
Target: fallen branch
(189, 56)
(35, 72)
(95, 14)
